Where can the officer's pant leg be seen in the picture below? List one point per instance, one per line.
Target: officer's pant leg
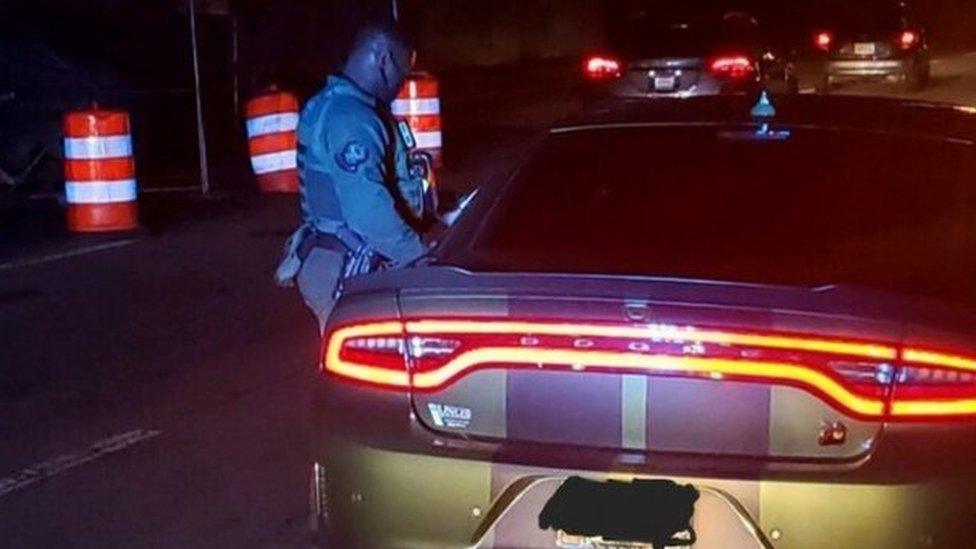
(317, 282)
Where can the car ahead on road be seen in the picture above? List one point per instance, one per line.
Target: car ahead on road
(648, 57)
(674, 322)
(873, 39)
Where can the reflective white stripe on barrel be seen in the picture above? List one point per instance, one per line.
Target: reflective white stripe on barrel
(100, 192)
(428, 140)
(273, 162)
(272, 123)
(82, 148)
(416, 107)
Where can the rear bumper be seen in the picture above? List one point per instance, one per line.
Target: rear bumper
(389, 499)
(388, 481)
(860, 69)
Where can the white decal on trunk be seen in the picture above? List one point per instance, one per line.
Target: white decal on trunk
(454, 417)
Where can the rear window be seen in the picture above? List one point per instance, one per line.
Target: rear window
(866, 15)
(818, 208)
(649, 37)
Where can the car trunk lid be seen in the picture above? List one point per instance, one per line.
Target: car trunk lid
(648, 366)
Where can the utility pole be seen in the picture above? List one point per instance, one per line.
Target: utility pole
(395, 10)
(235, 55)
(201, 134)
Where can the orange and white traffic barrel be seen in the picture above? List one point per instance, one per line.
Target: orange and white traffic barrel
(419, 104)
(272, 121)
(99, 171)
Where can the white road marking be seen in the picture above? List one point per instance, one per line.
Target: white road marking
(63, 463)
(808, 90)
(64, 255)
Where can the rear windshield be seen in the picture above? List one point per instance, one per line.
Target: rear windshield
(648, 37)
(815, 209)
(865, 15)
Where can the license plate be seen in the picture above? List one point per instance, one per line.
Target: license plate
(664, 83)
(640, 513)
(864, 49)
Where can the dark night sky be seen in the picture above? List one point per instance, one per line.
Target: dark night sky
(146, 41)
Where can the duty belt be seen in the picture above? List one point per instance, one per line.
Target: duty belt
(357, 260)
(316, 239)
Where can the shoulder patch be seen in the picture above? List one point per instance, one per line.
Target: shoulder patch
(353, 155)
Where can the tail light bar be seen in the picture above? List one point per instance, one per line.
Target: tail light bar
(863, 379)
(933, 384)
(732, 67)
(371, 353)
(600, 67)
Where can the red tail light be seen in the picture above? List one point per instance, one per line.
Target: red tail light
(732, 67)
(601, 67)
(823, 40)
(372, 353)
(934, 385)
(908, 39)
(862, 379)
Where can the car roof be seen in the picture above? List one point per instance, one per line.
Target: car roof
(869, 114)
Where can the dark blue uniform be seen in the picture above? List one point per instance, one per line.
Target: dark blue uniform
(356, 186)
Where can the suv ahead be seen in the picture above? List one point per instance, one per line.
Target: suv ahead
(872, 39)
(681, 56)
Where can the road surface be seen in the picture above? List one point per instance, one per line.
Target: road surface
(154, 387)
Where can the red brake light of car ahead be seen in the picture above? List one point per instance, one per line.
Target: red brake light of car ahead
(733, 67)
(823, 40)
(601, 67)
(862, 379)
(908, 39)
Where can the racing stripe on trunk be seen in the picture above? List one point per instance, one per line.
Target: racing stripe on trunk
(690, 415)
(581, 409)
(633, 412)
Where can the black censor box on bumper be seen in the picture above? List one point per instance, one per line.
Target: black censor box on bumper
(649, 511)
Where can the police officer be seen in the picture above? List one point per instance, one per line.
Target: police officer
(362, 198)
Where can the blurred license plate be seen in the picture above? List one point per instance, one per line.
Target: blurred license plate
(635, 515)
(866, 48)
(664, 83)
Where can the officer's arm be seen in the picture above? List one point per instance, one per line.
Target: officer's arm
(357, 144)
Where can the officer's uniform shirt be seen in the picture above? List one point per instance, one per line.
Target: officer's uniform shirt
(354, 163)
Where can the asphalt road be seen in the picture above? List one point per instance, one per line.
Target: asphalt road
(154, 386)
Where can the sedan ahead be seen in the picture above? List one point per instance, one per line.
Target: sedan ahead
(651, 58)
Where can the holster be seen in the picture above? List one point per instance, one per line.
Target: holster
(358, 257)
